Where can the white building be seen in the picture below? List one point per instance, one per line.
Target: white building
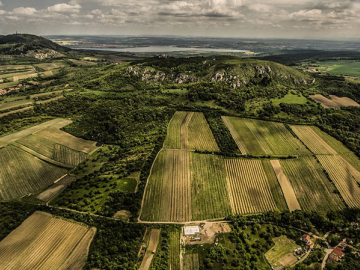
(191, 230)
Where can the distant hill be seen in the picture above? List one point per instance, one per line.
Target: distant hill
(30, 46)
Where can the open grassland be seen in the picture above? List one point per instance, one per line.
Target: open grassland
(312, 189)
(167, 196)
(249, 188)
(283, 247)
(286, 187)
(264, 138)
(22, 173)
(312, 140)
(275, 188)
(290, 98)
(44, 242)
(191, 261)
(344, 176)
(200, 136)
(66, 139)
(209, 191)
(174, 250)
(335, 101)
(153, 243)
(172, 140)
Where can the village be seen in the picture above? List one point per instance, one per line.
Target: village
(11, 89)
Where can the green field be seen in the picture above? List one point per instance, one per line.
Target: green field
(174, 250)
(343, 67)
(172, 140)
(283, 246)
(312, 189)
(265, 138)
(291, 98)
(23, 173)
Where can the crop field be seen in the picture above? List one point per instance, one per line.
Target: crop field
(168, 196)
(312, 189)
(51, 65)
(264, 138)
(286, 187)
(209, 191)
(66, 139)
(172, 140)
(344, 176)
(335, 101)
(191, 261)
(153, 243)
(174, 250)
(199, 134)
(31, 174)
(44, 242)
(249, 188)
(55, 188)
(312, 140)
(184, 131)
(234, 134)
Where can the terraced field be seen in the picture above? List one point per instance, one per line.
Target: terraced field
(312, 189)
(209, 191)
(249, 188)
(344, 176)
(172, 140)
(199, 134)
(174, 250)
(44, 242)
(53, 150)
(258, 137)
(22, 173)
(168, 196)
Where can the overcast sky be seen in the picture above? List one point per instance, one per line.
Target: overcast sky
(330, 19)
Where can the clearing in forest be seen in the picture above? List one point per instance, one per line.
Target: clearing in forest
(167, 196)
(311, 186)
(345, 177)
(153, 243)
(257, 137)
(45, 242)
(250, 191)
(21, 173)
(191, 261)
(286, 187)
(281, 253)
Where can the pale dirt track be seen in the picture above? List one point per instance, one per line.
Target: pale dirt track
(286, 187)
(154, 240)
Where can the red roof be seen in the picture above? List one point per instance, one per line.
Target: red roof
(306, 236)
(338, 252)
(333, 257)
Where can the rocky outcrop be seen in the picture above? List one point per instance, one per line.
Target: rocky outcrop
(185, 78)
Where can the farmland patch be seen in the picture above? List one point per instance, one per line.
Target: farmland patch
(335, 101)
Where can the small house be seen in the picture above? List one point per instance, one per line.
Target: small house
(336, 254)
(306, 239)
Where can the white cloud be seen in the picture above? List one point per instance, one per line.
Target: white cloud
(2, 12)
(28, 11)
(65, 8)
(307, 14)
(96, 12)
(260, 7)
(1, 4)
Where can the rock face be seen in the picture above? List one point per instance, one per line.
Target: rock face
(232, 77)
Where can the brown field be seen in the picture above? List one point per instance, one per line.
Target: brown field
(153, 243)
(44, 242)
(288, 260)
(61, 137)
(249, 188)
(168, 196)
(344, 176)
(335, 101)
(312, 140)
(55, 188)
(286, 187)
(235, 135)
(191, 261)
(200, 136)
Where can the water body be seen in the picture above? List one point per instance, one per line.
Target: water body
(159, 49)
